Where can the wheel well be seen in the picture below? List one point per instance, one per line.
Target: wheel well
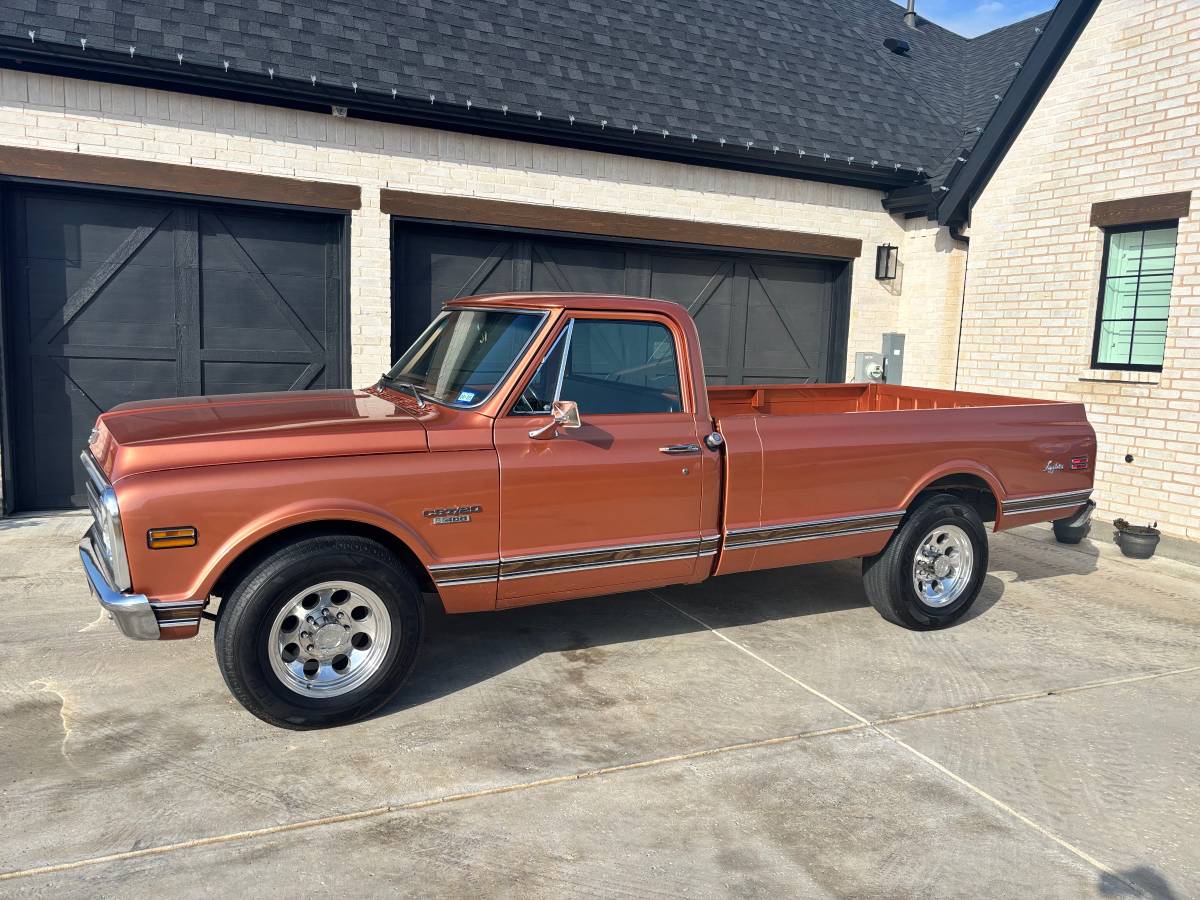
(254, 554)
(971, 489)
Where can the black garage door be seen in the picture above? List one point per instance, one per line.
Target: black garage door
(114, 298)
(760, 318)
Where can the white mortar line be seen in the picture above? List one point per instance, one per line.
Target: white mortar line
(1000, 804)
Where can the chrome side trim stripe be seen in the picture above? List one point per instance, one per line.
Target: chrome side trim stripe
(1042, 502)
(616, 549)
(745, 538)
(183, 614)
(584, 566)
(575, 560)
(466, 573)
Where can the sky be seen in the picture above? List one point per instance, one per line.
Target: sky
(973, 17)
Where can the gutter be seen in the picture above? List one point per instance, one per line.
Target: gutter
(212, 81)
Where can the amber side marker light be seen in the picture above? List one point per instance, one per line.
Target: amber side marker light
(166, 538)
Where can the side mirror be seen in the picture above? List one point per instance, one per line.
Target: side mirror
(565, 415)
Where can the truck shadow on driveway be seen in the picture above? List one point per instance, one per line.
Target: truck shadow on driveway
(462, 651)
(1035, 557)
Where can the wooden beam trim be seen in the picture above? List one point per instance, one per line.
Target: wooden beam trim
(1135, 210)
(477, 211)
(57, 165)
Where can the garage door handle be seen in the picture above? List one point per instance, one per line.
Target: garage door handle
(680, 448)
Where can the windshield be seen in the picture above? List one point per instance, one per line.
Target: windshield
(461, 358)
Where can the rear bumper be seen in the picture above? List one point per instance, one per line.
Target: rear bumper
(132, 612)
(1081, 518)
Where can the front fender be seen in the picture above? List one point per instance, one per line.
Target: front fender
(316, 511)
(234, 507)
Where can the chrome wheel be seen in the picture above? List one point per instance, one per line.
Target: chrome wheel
(943, 566)
(329, 639)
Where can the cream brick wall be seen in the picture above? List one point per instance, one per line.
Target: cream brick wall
(65, 114)
(1120, 120)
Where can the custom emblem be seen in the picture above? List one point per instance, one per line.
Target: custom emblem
(451, 515)
(1053, 466)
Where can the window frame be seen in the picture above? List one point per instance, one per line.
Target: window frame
(541, 314)
(1099, 319)
(565, 332)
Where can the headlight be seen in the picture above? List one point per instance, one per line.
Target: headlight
(102, 500)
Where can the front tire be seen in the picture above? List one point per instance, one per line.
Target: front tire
(320, 633)
(932, 569)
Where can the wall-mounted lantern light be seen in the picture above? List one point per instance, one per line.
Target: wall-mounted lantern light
(886, 258)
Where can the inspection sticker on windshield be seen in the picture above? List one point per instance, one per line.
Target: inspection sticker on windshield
(466, 396)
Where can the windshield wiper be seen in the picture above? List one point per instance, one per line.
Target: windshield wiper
(396, 382)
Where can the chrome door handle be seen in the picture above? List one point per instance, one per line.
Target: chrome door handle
(680, 448)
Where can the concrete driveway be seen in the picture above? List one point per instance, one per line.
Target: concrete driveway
(757, 735)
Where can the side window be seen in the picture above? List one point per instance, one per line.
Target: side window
(617, 366)
(1135, 297)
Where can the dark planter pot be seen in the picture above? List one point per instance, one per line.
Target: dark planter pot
(1070, 534)
(1136, 541)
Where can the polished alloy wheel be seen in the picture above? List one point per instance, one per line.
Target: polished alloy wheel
(943, 566)
(329, 639)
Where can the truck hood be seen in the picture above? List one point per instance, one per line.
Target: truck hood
(152, 435)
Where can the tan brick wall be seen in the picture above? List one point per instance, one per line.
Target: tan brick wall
(1120, 120)
(66, 114)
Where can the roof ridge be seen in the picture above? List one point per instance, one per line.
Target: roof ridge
(1043, 14)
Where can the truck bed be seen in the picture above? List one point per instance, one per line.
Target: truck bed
(814, 399)
(806, 482)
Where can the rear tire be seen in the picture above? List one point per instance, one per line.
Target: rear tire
(320, 633)
(932, 569)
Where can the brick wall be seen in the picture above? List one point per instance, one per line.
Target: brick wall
(1120, 120)
(66, 114)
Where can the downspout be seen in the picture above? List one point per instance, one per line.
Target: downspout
(957, 235)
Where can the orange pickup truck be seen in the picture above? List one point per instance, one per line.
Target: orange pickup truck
(532, 448)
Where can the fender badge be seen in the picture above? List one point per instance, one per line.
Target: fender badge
(1053, 466)
(451, 515)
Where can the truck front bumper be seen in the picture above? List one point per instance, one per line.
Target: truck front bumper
(132, 612)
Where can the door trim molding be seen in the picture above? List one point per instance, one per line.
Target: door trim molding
(571, 220)
(572, 561)
(57, 165)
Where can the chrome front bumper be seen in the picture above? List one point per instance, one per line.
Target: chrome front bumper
(132, 612)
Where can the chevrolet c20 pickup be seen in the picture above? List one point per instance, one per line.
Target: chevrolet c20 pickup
(533, 448)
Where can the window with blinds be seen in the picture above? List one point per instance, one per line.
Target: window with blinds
(1135, 297)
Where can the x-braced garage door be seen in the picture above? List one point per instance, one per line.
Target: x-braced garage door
(761, 318)
(113, 297)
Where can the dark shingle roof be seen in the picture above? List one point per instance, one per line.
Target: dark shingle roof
(799, 74)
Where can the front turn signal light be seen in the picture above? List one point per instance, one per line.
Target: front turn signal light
(167, 538)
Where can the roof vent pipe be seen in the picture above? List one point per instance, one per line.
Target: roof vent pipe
(910, 15)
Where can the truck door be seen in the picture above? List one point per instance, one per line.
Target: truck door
(615, 503)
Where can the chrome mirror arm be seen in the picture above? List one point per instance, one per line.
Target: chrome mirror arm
(540, 434)
(565, 414)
